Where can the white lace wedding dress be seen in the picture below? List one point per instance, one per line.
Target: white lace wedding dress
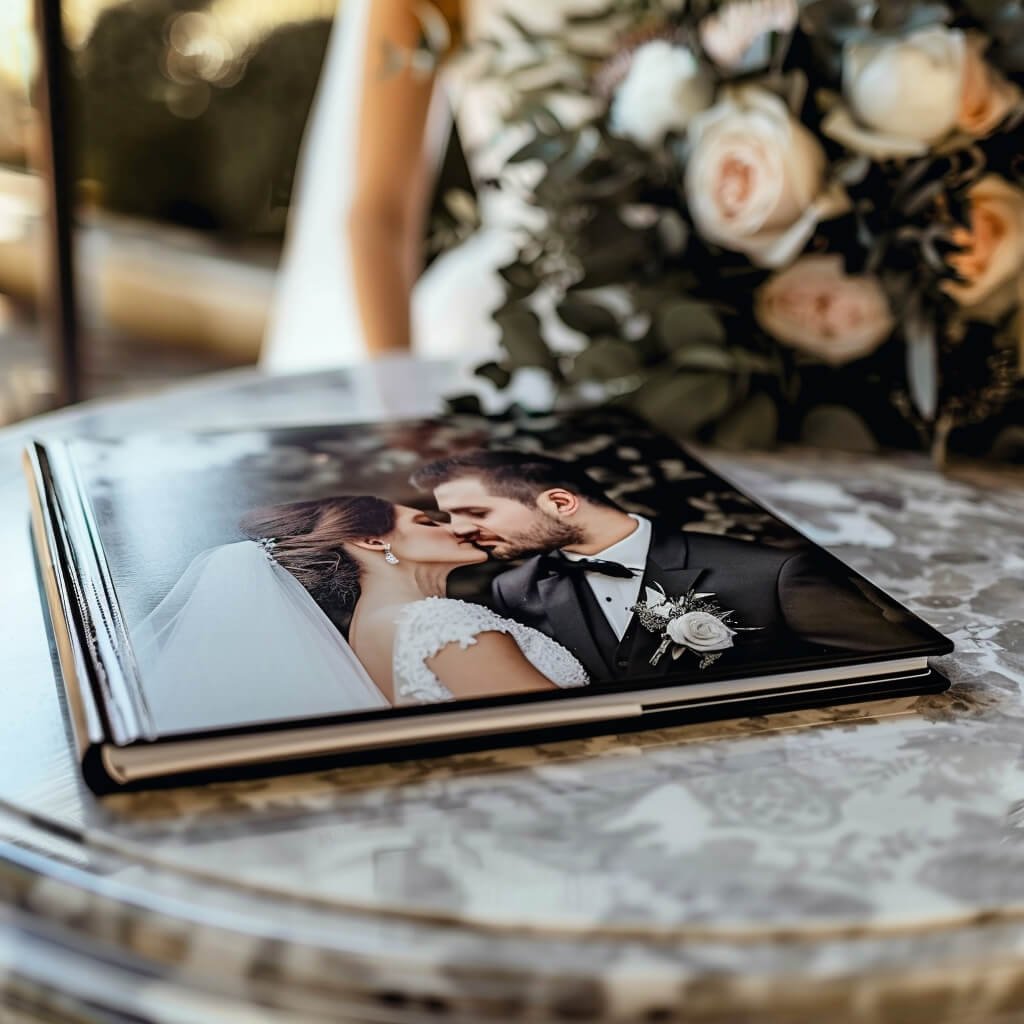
(426, 627)
(314, 322)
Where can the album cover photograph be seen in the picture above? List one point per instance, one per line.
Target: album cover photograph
(273, 575)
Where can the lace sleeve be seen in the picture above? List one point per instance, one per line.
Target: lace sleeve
(424, 629)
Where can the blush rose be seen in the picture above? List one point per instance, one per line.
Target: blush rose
(817, 308)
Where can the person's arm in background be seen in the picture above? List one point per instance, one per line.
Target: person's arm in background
(385, 222)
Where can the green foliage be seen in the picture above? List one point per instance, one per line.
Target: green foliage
(681, 403)
(669, 319)
(835, 426)
(754, 424)
(605, 359)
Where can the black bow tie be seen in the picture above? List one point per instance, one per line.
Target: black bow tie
(579, 567)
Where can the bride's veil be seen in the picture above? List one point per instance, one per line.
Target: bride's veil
(239, 640)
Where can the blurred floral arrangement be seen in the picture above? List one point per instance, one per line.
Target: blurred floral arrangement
(769, 221)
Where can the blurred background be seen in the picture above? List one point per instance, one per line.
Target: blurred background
(186, 122)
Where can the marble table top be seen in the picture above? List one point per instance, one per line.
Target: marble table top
(863, 862)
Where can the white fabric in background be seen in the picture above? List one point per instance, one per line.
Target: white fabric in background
(314, 323)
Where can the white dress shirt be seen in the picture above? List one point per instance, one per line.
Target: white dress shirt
(617, 596)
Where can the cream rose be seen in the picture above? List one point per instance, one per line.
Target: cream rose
(903, 95)
(986, 97)
(700, 631)
(991, 254)
(755, 181)
(664, 88)
(816, 307)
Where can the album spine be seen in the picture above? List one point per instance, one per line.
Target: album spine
(64, 615)
(118, 686)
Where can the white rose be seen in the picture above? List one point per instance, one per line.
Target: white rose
(816, 307)
(700, 631)
(904, 95)
(755, 181)
(664, 88)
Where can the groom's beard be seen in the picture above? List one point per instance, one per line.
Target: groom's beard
(541, 538)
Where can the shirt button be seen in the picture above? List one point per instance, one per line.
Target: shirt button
(608, 599)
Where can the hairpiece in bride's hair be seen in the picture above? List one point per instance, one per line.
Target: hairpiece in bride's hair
(268, 544)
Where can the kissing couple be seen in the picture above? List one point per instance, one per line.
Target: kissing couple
(251, 615)
(248, 632)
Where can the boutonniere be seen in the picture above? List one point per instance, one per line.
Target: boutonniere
(694, 622)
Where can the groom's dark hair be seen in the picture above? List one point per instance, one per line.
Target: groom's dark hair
(519, 475)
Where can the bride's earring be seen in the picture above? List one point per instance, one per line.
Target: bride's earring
(389, 556)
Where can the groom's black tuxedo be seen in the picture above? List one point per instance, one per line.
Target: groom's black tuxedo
(799, 606)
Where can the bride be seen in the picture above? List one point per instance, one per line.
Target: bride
(350, 287)
(243, 635)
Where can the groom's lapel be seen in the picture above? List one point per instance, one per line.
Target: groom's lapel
(667, 568)
(569, 625)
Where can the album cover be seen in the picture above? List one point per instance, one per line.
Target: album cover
(222, 601)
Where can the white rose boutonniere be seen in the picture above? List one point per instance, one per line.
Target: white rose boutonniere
(693, 622)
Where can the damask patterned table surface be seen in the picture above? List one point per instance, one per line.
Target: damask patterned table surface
(861, 863)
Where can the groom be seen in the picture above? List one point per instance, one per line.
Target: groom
(588, 562)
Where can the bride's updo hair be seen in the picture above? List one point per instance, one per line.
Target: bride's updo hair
(309, 540)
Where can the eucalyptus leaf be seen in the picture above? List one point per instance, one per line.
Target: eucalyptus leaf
(497, 374)
(541, 147)
(673, 231)
(683, 322)
(755, 424)
(703, 357)
(613, 261)
(583, 150)
(681, 403)
(605, 359)
(464, 405)
(587, 316)
(522, 338)
(836, 426)
(518, 274)
(520, 281)
(746, 361)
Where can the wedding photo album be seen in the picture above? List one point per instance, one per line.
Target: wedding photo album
(234, 601)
